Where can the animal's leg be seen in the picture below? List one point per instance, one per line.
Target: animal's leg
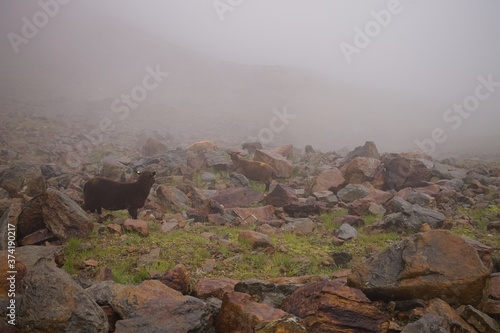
(267, 185)
(133, 212)
(99, 210)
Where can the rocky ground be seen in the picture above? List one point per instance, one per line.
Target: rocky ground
(365, 242)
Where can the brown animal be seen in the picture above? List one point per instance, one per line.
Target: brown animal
(101, 193)
(254, 170)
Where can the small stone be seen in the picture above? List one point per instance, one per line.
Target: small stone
(169, 226)
(347, 232)
(114, 228)
(256, 239)
(209, 265)
(138, 226)
(91, 262)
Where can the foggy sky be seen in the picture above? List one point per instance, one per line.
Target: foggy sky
(430, 51)
(428, 46)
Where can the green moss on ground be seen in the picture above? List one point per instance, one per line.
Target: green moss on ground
(294, 254)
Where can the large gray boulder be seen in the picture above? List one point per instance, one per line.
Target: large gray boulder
(369, 149)
(402, 172)
(56, 214)
(352, 192)
(53, 302)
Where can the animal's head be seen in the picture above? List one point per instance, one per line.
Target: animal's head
(147, 177)
(235, 156)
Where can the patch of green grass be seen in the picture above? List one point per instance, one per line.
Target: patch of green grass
(74, 255)
(367, 243)
(328, 218)
(257, 186)
(293, 255)
(370, 219)
(482, 216)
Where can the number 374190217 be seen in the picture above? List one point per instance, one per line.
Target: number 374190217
(11, 245)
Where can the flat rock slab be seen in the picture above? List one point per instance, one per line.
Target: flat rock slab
(239, 313)
(337, 308)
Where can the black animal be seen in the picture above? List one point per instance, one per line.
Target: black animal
(254, 170)
(101, 193)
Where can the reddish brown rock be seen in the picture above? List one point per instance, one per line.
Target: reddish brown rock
(187, 314)
(495, 286)
(479, 320)
(331, 180)
(451, 320)
(112, 316)
(126, 299)
(211, 287)
(492, 309)
(104, 274)
(172, 198)
(425, 266)
(264, 213)
(431, 190)
(138, 226)
(485, 252)
(239, 313)
(177, 278)
(299, 280)
(285, 151)
(38, 237)
(360, 207)
(114, 228)
(330, 306)
(153, 146)
(364, 169)
(256, 239)
(352, 220)
(280, 196)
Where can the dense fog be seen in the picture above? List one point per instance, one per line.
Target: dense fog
(406, 74)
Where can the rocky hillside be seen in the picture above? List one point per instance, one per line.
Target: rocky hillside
(360, 242)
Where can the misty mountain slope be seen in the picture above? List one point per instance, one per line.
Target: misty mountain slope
(74, 66)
